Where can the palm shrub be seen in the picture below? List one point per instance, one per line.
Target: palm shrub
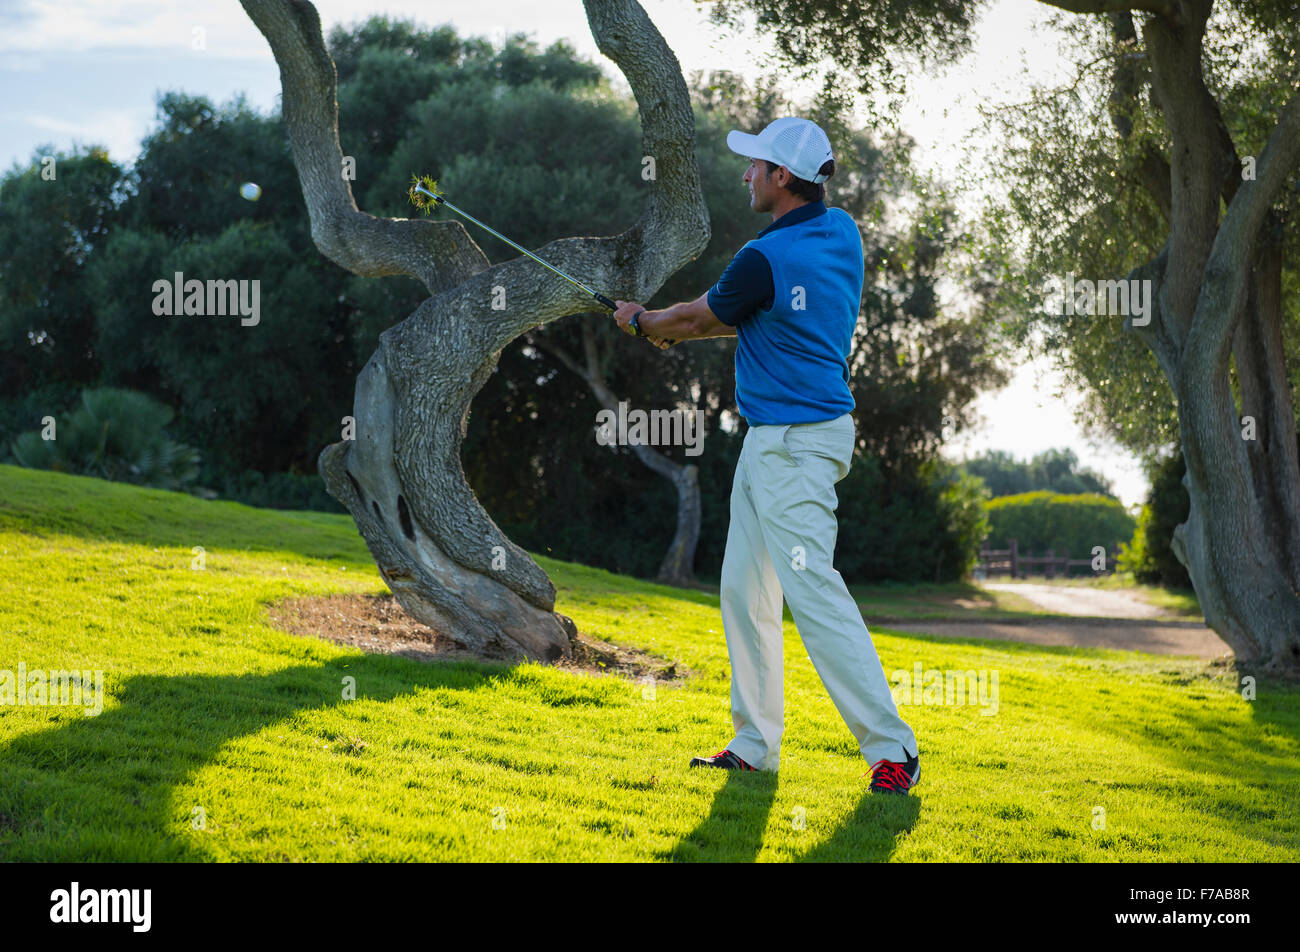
(113, 434)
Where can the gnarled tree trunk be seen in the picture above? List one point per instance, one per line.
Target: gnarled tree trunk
(1217, 296)
(401, 479)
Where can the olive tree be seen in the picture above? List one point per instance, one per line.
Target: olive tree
(400, 477)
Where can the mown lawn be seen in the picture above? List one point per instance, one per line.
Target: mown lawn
(936, 601)
(209, 709)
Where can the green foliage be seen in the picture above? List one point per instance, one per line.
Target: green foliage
(387, 68)
(296, 491)
(1055, 470)
(966, 522)
(874, 43)
(920, 524)
(114, 434)
(49, 229)
(264, 397)
(915, 368)
(525, 159)
(1067, 179)
(1150, 556)
(185, 182)
(1042, 520)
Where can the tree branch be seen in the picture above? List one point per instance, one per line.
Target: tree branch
(439, 254)
(1160, 333)
(1228, 270)
(673, 228)
(1198, 163)
(1168, 10)
(1127, 81)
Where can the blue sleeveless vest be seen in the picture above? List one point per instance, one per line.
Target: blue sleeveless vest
(792, 359)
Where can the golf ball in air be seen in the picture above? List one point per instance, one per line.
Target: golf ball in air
(251, 191)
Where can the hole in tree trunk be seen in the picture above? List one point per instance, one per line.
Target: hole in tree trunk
(357, 486)
(404, 516)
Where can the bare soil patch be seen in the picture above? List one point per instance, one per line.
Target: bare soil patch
(377, 624)
(1156, 637)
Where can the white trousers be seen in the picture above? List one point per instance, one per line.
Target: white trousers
(782, 543)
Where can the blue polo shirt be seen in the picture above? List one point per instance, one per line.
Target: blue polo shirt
(793, 295)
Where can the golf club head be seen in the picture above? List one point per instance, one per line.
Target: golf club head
(424, 192)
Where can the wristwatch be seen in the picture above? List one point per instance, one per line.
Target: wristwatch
(636, 327)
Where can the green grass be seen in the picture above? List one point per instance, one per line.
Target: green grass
(209, 708)
(948, 600)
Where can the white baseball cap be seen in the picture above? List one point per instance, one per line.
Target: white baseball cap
(798, 144)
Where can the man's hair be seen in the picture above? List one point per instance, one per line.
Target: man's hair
(802, 188)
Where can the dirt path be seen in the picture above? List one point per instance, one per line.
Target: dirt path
(1072, 600)
(1104, 619)
(1157, 637)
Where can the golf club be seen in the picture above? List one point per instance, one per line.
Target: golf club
(438, 199)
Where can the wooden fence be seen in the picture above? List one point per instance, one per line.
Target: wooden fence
(1011, 562)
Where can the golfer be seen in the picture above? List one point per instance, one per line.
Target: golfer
(791, 298)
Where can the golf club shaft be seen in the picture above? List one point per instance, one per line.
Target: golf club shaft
(439, 199)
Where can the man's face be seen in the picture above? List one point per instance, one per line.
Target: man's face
(763, 185)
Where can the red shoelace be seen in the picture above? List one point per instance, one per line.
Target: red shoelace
(743, 764)
(890, 775)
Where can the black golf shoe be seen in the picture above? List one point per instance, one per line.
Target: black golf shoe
(889, 776)
(723, 758)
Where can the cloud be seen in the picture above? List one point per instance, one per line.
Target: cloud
(117, 130)
(79, 25)
(21, 63)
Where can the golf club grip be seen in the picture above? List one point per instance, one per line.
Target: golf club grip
(614, 307)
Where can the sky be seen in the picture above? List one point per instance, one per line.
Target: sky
(89, 71)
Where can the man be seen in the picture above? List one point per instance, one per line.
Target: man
(791, 298)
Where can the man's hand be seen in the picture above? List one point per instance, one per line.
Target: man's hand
(626, 311)
(630, 309)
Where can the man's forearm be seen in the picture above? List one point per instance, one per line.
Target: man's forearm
(690, 320)
(673, 323)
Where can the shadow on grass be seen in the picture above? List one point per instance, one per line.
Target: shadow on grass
(733, 830)
(871, 834)
(1259, 756)
(101, 788)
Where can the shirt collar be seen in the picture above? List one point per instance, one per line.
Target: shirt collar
(796, 215)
